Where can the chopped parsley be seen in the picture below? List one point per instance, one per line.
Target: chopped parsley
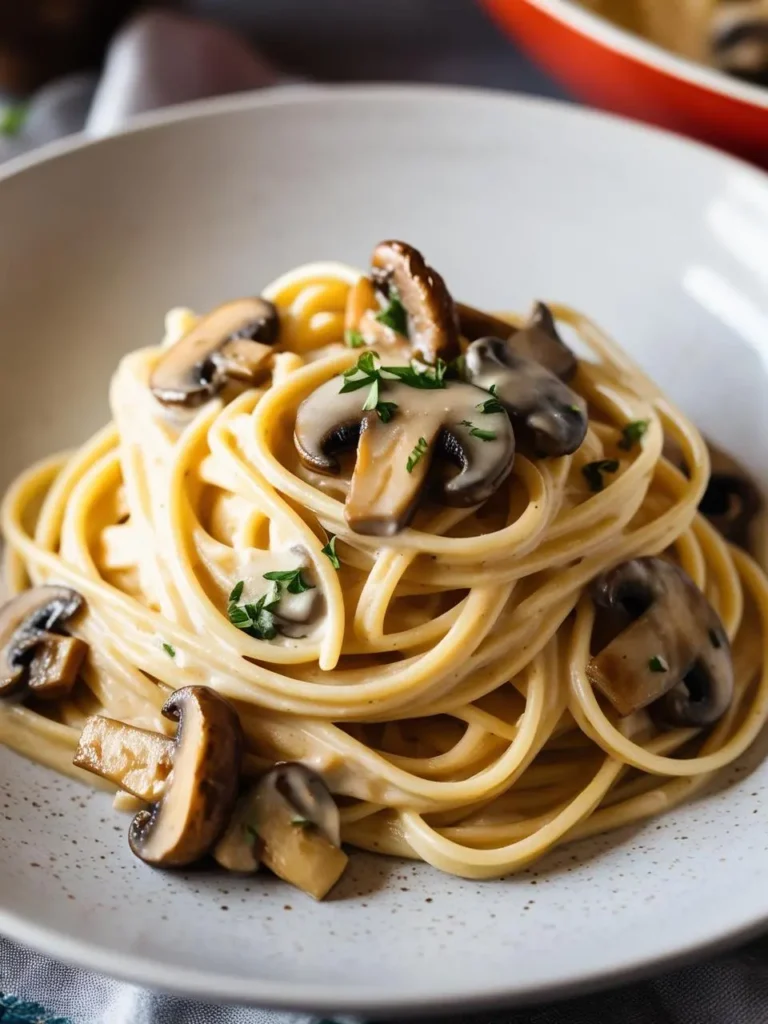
(13, 118)
(658, 664)
(365, 366)
(420, 450)
(593, 472)
(429, 379)
(484, 435)
(170, 650)
(373, 397)
(257, 620)
(633, 433)
(292, 578)
(386, 410)
(714, 639)
(330, 552)
(394, 314)
(492, 404)
(354, 339)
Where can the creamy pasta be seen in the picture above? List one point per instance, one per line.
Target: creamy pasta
(439, 667)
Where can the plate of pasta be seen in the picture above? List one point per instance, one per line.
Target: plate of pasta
(400, 639)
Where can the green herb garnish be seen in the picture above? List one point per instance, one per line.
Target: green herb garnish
(372, 400)
(491, 405)
(420, 450)
(457, 369)
(257, 620)
(364, 366)
(593, 472)
(170, 650)
(12, 119)
(484, 435)
(330, 552)
(292, 578)
(633, 433)
(386, 410)
(354, 339)
(394, 314)
(429, 379)
(657, 664)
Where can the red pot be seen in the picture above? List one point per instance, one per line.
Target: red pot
(614, 69)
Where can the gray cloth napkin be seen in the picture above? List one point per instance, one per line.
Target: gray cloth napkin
(160, 59)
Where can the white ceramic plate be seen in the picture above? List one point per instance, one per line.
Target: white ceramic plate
(666, 243)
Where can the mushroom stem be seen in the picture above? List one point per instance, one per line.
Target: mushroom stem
(298, 827)
(135, 760)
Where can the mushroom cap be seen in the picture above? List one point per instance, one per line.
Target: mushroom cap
(232, 342)
(539, 404)
(732, 500)
(33, 652)
(476, 323)
(672, 650)
(433, 324)
(739, 40)
(200, 795)
(384, 491)
(540, 340)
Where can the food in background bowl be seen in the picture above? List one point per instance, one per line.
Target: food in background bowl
(731, 35)
(610, 53)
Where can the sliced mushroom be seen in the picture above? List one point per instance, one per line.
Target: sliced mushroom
(297, 822)
(136, 760)
(239, 849)
(739, 39)
(394, 458)
(400, 272)
(672, 651)
(538, 340)
(231, 343)
(539, 404)
(200, 794)
(731, 501)
(35, 656)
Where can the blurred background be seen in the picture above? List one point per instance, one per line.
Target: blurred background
(696, 66)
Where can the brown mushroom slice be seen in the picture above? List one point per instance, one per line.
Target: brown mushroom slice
(674, 654)
(298, 826)
(239, 848)
(136, 760)
(540, 340)
(539, 404)
(34, 655)
(731, 501)
(476, 323)
(739, 39)
(232, 342)
(201, 791)
(400, 271)
(427, 424)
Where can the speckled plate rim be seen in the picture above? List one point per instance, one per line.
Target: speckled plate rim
(747, 920)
